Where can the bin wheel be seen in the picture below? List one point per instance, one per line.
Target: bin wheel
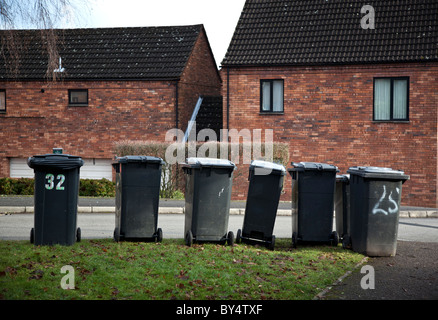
(271, 244)
(294, 240)
(78, 234)
(239, 236)
(116, 235)
(189, 238)
(334, 239)
(32, 235)
(230, 238)
(159, 235)
(346, 241)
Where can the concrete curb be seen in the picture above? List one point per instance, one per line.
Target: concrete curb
(180, 210)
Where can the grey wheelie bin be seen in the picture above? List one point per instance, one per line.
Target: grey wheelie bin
(265, 185)
(55, 199)
(138, 181)
(342, 207)
(313, 187)
(375, 195)
(207, 200)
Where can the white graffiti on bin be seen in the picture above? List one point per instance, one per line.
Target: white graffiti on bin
(392, 210)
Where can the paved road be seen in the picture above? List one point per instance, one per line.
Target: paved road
(95, 226)
(17, 226)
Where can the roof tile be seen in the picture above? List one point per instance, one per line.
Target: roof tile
(107, 53)
(308, 32)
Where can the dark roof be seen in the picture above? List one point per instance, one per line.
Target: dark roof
(321, 32)
(110, 53)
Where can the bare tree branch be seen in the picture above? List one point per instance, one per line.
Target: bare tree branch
(45, 15)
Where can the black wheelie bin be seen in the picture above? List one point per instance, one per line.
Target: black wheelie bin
(375, 195)
(55, 198)
(313, 187)
(138, 180)
(265, 186)
(207, 200)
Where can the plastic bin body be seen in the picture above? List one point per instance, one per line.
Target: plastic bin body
(342, 205)
(265, 185)
(313, 186)
(138, 181)
(55, 198)
(207, 198)
(375, 207)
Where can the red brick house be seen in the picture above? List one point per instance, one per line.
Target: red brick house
(115, 84)
(339, 87)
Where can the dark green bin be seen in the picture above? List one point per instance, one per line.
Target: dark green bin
(375, 195)
(55, 199)
(207, 200)
(264, 191)
(138, 180)
(313, 186)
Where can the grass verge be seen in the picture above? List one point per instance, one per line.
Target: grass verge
(104, 270)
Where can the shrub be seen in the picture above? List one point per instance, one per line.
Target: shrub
(16, 186)
(96, 188)
(87, 187)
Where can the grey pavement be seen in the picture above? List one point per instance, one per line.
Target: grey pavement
(412, 274)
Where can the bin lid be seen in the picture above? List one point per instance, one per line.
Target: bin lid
(343, 178)
(270, 166)
(55, 161)
(209, 162)
(143, 159)
(378, 172)
(306, 166)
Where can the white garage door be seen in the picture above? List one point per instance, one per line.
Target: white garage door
(20, 169)
(96, 169)
(92, 169)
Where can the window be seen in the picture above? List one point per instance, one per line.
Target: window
(391, 99)
(2, 101)
(271, 96)
(78, 97)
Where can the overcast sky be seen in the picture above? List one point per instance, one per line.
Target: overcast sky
(219, 17)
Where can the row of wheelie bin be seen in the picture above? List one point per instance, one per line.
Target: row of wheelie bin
(138, 178)
(366, 202)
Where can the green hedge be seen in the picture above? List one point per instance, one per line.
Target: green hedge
(87, 187)
(12, 186)
(97, 188)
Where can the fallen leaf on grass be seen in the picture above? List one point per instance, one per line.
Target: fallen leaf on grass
(182, 275)
(115, 291)
(36, 275)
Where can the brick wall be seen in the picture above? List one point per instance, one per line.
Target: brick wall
(37, 121)
(328, 117)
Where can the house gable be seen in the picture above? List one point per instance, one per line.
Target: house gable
(193, 83)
